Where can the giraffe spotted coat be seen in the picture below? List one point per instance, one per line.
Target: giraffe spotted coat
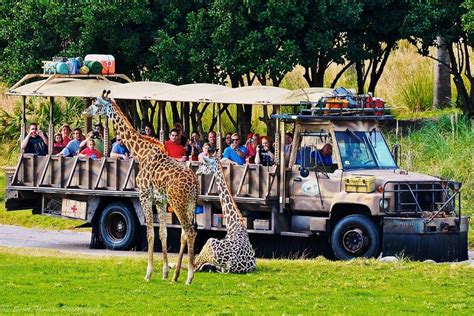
(160, 181)
(234, 253)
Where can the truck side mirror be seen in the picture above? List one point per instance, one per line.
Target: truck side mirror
(396, 153)
(304, 172)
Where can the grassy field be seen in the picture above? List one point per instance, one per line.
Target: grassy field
(46, 282)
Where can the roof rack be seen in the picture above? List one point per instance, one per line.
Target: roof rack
(330, 109)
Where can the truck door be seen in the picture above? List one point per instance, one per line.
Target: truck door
(313, 177)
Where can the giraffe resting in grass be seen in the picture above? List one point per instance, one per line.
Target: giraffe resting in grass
(160, 181)
(234, 253)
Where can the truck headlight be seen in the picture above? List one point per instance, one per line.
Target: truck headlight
(384, 204)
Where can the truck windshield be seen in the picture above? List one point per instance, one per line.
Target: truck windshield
(364, 150)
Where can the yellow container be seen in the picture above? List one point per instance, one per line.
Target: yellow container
(359, 183)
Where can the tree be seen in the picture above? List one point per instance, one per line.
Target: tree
(427, 21)
(323, 37)
(373, 38)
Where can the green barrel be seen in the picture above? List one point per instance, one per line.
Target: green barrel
(95, 67)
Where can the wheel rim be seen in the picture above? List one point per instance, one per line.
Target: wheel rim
(355, 240)
(116, 226)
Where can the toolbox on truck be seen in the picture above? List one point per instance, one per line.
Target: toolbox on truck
(359, 183)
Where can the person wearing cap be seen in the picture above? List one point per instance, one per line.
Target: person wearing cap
(235, 154)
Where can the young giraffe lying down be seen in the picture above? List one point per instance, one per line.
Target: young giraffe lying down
(234, 253)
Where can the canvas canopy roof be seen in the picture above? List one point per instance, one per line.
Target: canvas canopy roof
(149, 90)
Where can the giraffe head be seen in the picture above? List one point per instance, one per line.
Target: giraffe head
(102, 106)
(208, 166)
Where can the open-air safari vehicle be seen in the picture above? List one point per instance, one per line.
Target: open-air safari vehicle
(359, 206)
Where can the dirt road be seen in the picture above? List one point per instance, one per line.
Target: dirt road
(65, 240)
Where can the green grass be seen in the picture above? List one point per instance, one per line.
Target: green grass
(47, 283)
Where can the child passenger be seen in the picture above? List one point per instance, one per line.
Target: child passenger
(90, 151)
(58, 144)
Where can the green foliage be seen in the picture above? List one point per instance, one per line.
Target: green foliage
(115, 285)
(440, 150)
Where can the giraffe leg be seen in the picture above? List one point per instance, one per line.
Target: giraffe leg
(163, 238)
(191, 237)
(147, 209)
(180, 256)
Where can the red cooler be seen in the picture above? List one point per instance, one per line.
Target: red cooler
(107, 61)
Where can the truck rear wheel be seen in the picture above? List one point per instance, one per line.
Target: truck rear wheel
(355, 236)
(118, 226)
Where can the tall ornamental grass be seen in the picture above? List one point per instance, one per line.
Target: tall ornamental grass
(439, 149)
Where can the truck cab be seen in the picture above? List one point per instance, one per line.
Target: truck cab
(360, 197)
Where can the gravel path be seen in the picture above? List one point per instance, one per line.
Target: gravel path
(64, 240)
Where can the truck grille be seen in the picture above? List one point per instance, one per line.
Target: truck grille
(419, 197)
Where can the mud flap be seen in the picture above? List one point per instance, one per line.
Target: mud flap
(442, 239)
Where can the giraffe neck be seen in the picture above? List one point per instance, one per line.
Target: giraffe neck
(130, 137)
(229, 208)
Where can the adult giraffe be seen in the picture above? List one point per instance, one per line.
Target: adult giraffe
(160, 181)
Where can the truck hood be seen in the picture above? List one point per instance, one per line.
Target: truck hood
(382, 176)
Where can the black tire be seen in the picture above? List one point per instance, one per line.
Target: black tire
(355, 236)
(118, 227)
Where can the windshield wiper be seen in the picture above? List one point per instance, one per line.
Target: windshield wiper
(374, 151)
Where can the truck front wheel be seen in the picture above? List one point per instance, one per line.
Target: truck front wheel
(355, 236)
(118, 227)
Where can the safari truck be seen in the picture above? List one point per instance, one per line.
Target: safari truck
(357, 203)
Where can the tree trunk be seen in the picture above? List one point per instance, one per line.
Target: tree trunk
(442, 76)
(377, 72)
(466, 98)
(360, 76)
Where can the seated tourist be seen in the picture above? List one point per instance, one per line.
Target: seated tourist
(58, 144)
(323, 156)
(194, 146)
(183, 140)
(212, 141)
(119, 150)
(227, 140)
(36, 142)
(235, 153)
(174, 148)
(72, 148)
(205, 152)
(65, 131)
(251, 147)
(90, 150)
(148, 131)
(265, 154)
(98, 135)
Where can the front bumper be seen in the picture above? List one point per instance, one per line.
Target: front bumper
(441, 239)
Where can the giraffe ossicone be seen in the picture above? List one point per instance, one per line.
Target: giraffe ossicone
(234, 253)
(160, 181)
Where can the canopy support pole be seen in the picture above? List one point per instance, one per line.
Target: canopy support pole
(280, 153)
(51, 126)
(219, 132)
(162, 121)
(23, 117)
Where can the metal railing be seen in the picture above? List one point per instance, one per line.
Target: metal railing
(417, 197)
